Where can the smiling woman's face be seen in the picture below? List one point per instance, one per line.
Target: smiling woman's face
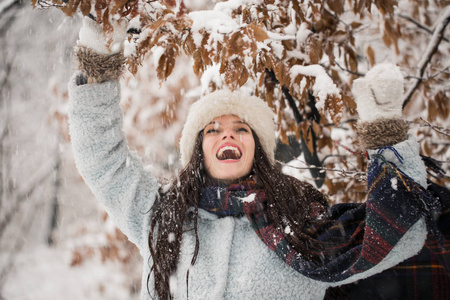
(228, 148)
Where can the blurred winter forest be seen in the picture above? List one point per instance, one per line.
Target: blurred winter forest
(56, 242)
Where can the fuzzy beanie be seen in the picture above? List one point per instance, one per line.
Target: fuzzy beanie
(253, 110)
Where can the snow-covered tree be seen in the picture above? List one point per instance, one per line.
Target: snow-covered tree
(299, 56)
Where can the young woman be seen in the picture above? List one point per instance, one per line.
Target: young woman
(231, 225)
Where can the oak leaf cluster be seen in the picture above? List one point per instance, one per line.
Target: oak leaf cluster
(301, 57)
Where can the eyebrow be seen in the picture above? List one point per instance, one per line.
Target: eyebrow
(234, 122)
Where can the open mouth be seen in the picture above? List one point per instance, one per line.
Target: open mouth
(228, 152)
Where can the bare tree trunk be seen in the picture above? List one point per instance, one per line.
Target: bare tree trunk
(5, 110)
(55, 204)
(22, 202)
(7, 15)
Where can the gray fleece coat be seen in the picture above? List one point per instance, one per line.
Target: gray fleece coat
(233, 263)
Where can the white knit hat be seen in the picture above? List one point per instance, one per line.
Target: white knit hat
(253, 110)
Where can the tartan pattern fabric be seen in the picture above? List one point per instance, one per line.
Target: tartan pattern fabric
(424, 276)
(230, 200)
(361, 235)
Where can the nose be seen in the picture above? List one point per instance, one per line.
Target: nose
(227, 133)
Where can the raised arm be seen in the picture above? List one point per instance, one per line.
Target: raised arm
(394, 225)
(361, 240)
(115, 175)
(401, 213)
(381, 129)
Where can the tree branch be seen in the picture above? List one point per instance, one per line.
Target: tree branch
(55, 198)
(419, 25)
(348, 71)
(430, 76)
(439, 129)
(429, 52)
(362, 176)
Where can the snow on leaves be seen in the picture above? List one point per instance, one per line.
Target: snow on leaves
(244, 38)
(271, 47)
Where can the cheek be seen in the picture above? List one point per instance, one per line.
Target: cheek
(207, 146)
(249, 143)
(250, 158)
(207, 149)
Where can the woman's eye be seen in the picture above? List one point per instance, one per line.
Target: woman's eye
(242, 129)
(212, 130)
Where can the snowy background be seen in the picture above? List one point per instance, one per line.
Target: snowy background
(56, 242)
(38, 172)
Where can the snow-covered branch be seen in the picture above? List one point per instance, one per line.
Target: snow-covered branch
(419, 25)
(358, 175)
(439, 129)
(429, 52)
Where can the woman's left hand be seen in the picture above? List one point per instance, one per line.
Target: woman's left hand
(379, 94)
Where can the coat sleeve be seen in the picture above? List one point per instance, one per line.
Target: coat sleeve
(114, 174)
(423, 276)
(394, 228)
(360, 240)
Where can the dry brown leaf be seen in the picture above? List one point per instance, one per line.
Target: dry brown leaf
(315, 50)
(166, 63)
(349, 103)
(100, 5)
(337, 6)
(236, 44)
(232, 71)
(335, 107)
(355, 25)
(316, 11)
(198, 66)
(386, 6)
(324, 142)
(206, 55)
(391, 34)
(432, 111)
(107, 28)
(370, 56)
(70, 8)
(77, 259)
(169, 3)
(339, 36)
(259, 33)
(279, 72)
(427, 149)
(352, 61)
(85, 7)
(442, 105)
(118, 6)
(244, 77)
(269, 96)
(189, 45)
(329, 51)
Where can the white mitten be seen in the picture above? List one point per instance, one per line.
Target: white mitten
(380, 93)
(91, 36)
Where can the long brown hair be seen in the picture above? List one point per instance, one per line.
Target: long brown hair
(290, 202)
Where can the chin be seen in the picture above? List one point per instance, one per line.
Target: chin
(222, 178)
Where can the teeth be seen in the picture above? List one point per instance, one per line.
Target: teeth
(228, 152)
